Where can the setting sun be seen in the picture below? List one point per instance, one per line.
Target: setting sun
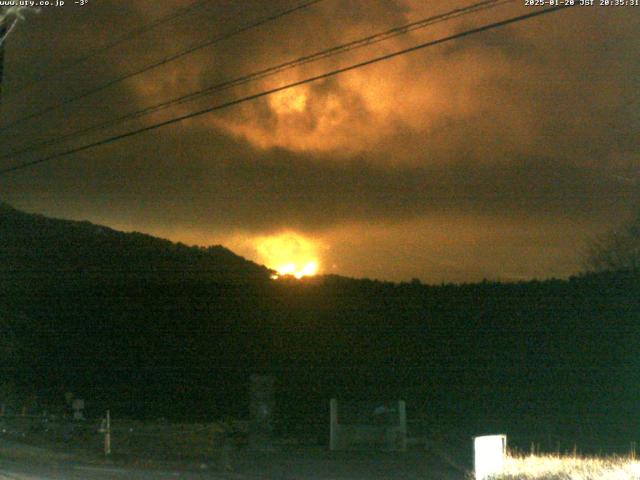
(289, 254)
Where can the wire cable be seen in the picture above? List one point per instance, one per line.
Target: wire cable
(265, 93)
(125, 38)
(5, 32)
(160, 63)
(360, 43)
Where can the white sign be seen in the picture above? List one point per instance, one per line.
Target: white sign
(490, 451)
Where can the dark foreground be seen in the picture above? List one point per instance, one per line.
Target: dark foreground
(290, 463)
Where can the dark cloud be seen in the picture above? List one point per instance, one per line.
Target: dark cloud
(221, 183)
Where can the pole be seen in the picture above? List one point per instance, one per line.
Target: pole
(3, 32)
(107, 435)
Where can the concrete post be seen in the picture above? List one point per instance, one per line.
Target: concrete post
(107, 435)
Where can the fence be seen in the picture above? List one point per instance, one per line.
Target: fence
(124, 437)
(376, 425)
(53, 430)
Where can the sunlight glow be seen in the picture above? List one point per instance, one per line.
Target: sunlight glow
(289, 101)
(308, 270)
(289, 254)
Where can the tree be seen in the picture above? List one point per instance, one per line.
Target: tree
(616, 250)
(8, 355)
(12, 352)
(8, 341)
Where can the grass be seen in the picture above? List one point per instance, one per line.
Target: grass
(555, 467)
(15, 451)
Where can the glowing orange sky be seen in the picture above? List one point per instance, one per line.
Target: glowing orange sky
(496, 156)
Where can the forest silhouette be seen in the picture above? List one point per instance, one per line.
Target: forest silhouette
(150, 328)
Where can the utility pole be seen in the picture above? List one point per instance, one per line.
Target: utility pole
(3, 34)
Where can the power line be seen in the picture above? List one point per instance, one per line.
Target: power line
(364, 42)
(265, 93)
(162, 62)
(133, 33)
(6, 31)
(367, 41)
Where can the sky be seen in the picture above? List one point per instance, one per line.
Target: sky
(497, 156)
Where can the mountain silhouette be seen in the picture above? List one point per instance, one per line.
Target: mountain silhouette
(36, 247)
